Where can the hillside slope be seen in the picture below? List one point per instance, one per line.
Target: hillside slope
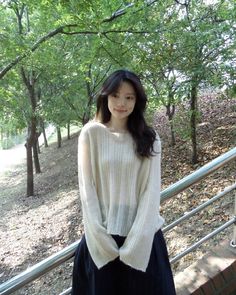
(35, 227)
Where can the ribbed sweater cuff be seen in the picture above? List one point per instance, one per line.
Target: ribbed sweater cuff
(102, 261)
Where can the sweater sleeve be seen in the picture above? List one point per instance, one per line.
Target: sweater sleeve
(136, 250)
(102, 247)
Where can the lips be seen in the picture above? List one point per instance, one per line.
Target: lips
(120, 111)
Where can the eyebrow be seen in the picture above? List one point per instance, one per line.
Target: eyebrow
(129, 93)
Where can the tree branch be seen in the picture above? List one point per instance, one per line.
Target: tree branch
(62, 29)
(112, 57)
(107, 32)
(123, 11)
(32, 49)
(97, 82)
(117, 13)
(111, 40)
(177, 1)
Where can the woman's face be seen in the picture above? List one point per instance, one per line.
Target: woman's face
(121, 103)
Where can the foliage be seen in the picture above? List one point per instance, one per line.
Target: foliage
(170, 45)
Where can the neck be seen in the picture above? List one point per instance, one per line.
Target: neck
(117, 125)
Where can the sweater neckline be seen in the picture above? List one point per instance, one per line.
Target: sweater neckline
(112, 130)
(118, 135)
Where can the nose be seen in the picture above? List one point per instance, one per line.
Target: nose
(122, 101)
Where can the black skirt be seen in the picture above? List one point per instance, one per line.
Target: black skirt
(117, 278)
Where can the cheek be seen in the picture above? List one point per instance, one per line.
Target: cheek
(109, 104)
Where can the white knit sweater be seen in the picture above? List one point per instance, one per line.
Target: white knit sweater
(120, 195)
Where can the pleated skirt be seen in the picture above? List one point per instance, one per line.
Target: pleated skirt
(117, 278)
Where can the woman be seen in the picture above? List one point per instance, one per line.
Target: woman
(123, 250)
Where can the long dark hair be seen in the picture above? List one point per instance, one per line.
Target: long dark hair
(143, 135)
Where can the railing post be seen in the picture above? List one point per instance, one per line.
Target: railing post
(233, 242)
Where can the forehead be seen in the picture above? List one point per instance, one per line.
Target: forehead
(126, 87)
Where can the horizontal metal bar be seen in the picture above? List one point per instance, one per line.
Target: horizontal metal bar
(204, 239)
(38, 269)
(199, 174)
(233, 242)
(199, 208)
(66, 292)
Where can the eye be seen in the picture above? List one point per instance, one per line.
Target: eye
(114, 95)
(130, 97)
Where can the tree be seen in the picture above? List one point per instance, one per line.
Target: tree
(63, 52)
(206, 37)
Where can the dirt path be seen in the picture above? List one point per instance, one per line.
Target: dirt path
(12, 157)
(17, 154)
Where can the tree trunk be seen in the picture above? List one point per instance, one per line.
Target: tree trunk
(68, 130)
(29, 145)
(29, 80)
(44, 135)
(36, 158)
(30, 176)
(170, 111)
(29, 161)
(38, 147)
(173, 141)
(193, 122)
(87, 113)
(58, 137)
(86, 117)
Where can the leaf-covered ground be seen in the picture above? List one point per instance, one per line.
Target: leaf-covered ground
(32, 228)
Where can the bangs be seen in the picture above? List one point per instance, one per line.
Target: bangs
(112, 87)
(113, 82)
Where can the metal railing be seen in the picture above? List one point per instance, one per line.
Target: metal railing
(58, 258)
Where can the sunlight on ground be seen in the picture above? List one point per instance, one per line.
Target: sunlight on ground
(11, 157)
(17, 154)
(23, 220)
